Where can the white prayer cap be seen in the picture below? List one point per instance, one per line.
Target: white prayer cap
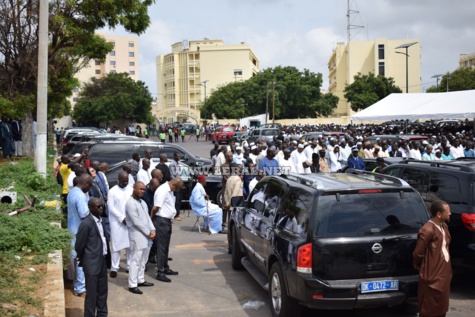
(425, 142)
(253, 147)
(238, 148)
(300, 146)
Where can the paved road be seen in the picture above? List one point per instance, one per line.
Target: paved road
(207, 285)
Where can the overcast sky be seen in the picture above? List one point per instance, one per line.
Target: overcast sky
(302, 33)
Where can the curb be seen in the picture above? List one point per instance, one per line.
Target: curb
(54, 304)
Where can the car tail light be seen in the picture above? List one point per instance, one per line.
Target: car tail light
(304, 258)
(87, 163)
(469, 221)
(65, 143)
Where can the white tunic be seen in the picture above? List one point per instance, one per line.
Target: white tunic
(298, 158)
(118, 197)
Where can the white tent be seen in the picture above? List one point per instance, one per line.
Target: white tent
(447, 105)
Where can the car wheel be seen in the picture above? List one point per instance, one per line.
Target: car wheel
(280, 303)
(219, 198)
(236, 253)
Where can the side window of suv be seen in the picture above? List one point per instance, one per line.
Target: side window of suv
(393, 171)
(258, 196)
(445, 187)
(273, 199)
(417, 179)
(295, 212)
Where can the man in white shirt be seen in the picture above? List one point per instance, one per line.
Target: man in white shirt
(456, 150)
(175, 171)
(118, 196)
(334, 158)
(285, 163)
(144, 175)
(220, 160)
(163, 212)
(298, 157)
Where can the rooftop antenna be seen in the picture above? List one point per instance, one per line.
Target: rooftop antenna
(349, 27)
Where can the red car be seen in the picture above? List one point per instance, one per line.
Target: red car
(224, 134)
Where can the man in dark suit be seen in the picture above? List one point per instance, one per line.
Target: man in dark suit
(92, 251)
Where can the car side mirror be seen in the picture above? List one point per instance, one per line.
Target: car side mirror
(186, 157)
(237, 201)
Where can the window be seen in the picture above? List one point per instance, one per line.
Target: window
(295, 212)
(381, 51)
(112, 63)
(75, 89)
(98, 62)
(132, 72)
(417, 179)
(112, 53)
(75, 99)
(131, 63)
(98, 71)
(131, 54)
(358, 215)
(446, 188)
(381, 68)
(113, 71)
(131, 44)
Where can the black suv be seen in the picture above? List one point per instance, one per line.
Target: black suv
(453, 182)
(113, 152)
(333, 241)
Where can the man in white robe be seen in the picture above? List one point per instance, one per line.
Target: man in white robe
(144, 175)
(298, 158)
(199, 202)
(118, 197)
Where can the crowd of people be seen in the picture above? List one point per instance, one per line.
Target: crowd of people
(134, 216)
(324, 153)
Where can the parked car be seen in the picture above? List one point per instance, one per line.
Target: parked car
(453, 182)
(213, 183)
(75, 139)
(224, 134)
(113, 152)
(239, 137)
(329, 241)
(310, 135)
(266, 134)
(370, 163)
(397, 137)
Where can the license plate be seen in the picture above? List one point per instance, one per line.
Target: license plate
(224, 137)
(379, 286)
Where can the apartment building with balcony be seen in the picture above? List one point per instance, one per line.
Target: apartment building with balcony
(122, 59)
(183, 74)
(380, 57)
(467, 60)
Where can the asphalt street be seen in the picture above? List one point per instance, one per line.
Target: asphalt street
(208, 286)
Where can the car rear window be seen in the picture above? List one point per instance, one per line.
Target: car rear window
(269, 132)
(359, 215)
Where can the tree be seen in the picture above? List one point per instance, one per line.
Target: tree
(73, 44)
(114, 96)
(369, 89)
(460, 79)
(295, 94)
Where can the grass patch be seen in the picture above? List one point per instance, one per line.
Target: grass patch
(27, 238)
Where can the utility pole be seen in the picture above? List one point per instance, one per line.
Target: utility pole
(273, 102)
(267, 101)
(42, 93)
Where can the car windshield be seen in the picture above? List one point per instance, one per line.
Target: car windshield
(358, 215)
(228, 130)
(269, 132)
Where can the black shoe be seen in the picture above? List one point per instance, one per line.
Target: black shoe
(223, 231)
(170, 272)
(163, 278)
(170, 259)
(113, 274)
(152, 260)
(135, 290)
(145, 284)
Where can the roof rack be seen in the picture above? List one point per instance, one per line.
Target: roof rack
(376, 177)
(307, 180)
(450, 164)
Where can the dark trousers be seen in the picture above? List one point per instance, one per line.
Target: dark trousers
(178, 199)
(96, 293)
(65, 203)
(153, 250)
(163, 227)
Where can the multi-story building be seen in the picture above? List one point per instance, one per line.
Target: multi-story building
(379, 57)
(122, 59)
(467, 60)
(196, 68)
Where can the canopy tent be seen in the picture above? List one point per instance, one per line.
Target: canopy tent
(447, 105)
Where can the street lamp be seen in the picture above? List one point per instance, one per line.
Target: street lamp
(203, 83)
(406, 46)
(437, 78)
